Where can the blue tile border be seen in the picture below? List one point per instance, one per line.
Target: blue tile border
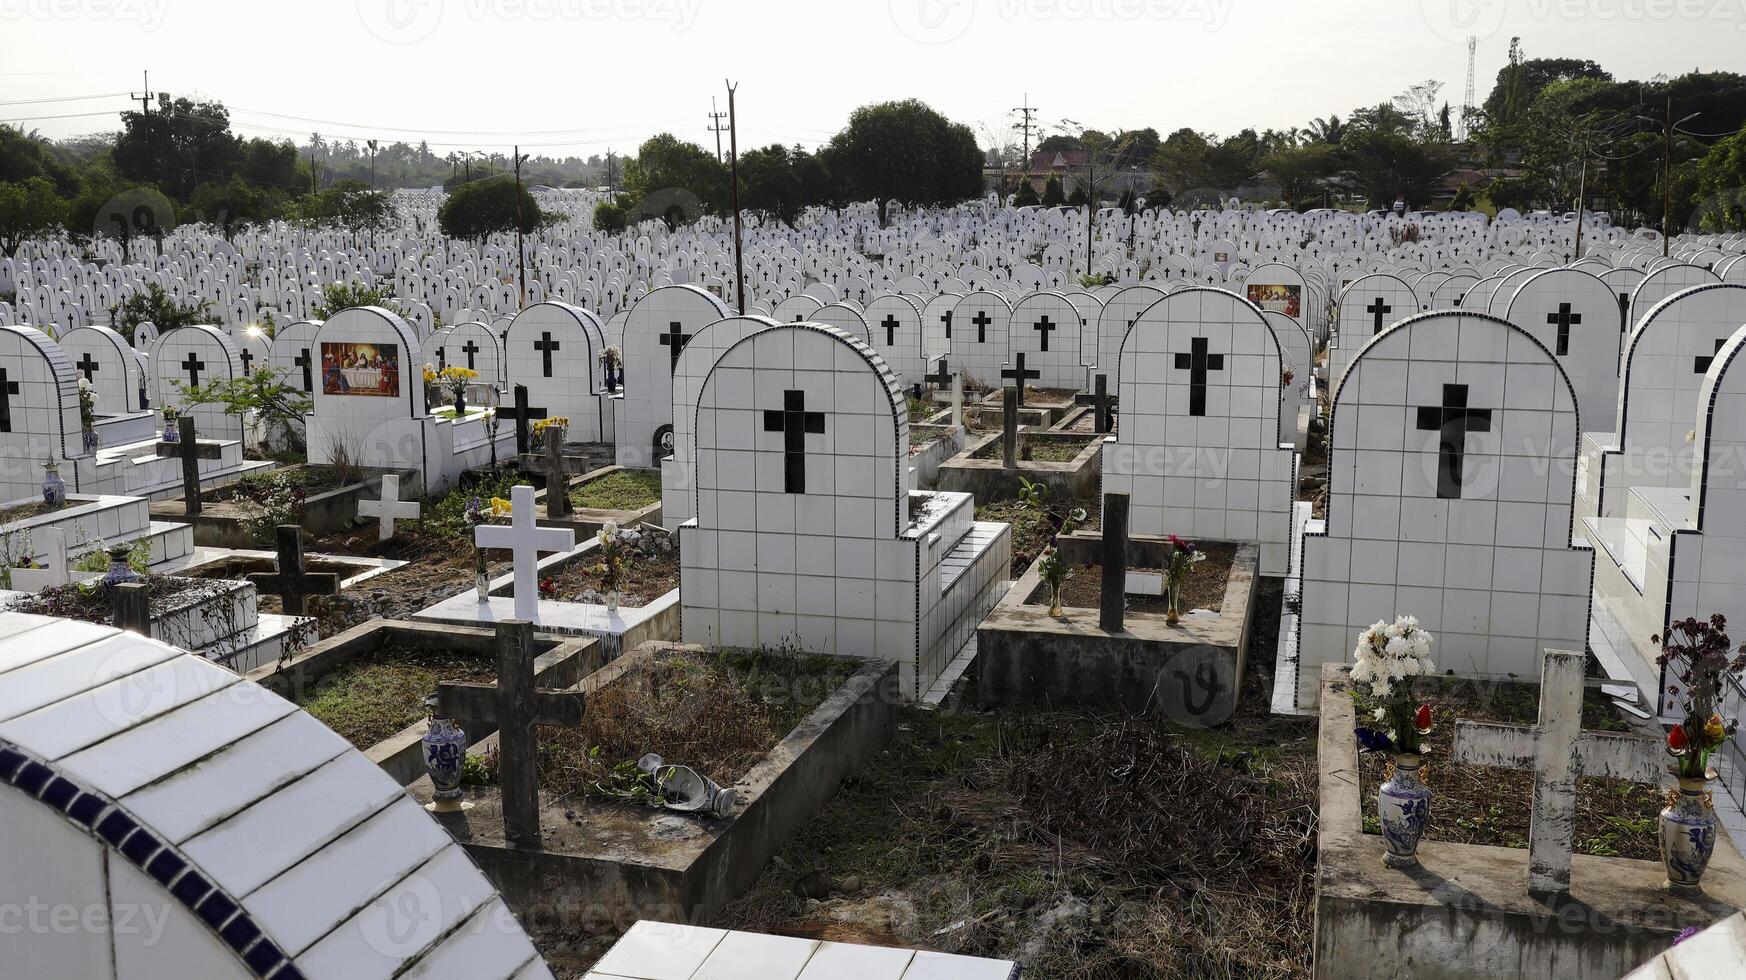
(156, 857)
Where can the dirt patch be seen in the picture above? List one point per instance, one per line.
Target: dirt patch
(647, 577)
(95, 604)
(239, 568)
(1076, 844)
(719, 713)
(1031, 531)
(1205, 588)
(36, 508)
(311, 480)
(1482, 805)
(1037, 448)
(619, 490)
(380, 693)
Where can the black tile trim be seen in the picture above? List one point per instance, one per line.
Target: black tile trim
(83, 806)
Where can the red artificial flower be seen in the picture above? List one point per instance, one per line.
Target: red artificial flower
(1422, 719)
(1676, 740)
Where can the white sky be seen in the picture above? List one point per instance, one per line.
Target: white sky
(579, 76)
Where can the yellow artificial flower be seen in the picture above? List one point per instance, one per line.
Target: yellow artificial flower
(1715, 729)
(499, 507)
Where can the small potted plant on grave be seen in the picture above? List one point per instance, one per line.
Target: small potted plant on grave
(1700, 662)
(1054, 570)
(475, 515)
(543, 426)
(87, 414)
(1388, 656)
(456, 379)
(612, 363)
(614, 551)
(1183, 557)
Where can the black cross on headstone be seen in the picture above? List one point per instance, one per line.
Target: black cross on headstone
(87, 365)
(303, 361)
(293, 582)
(982, 321)
(1376, 309)
(442, 358)
(675, 342)
(1452, 420)
(193, 365)
(545, 345)
(248, 358)
(890, 324)
(1564, 319)
(942, 378)
(7, 390)
(794, 422)
(1701, 364)
(523, 416)
(946, 318)
(1020, 374)
(515, 705)
(1198, 362)
(471, 349)
(1044, 327)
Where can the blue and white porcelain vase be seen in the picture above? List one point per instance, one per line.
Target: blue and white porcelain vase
(54, 489)
(1403, 804)
(171, 432)
(445, 748)
(88, 438)
(1688, 834)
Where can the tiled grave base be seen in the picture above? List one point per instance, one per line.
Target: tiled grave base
(93, 519)
(625, 629)
(1467, 908)
(621, 861)
(1190, 673)
(136, 468)
(1285, 660)
(926, 464)
(972, 581)
(681, 952)
(366, 568)
(989, 479)
(557, 664)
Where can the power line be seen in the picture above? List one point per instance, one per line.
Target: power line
(66, 98)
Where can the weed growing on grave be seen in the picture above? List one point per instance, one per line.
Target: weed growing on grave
(272, 500)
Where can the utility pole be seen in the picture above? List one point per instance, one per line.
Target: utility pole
(145, 104)
(372, 145)
(520, 253)
(1026, 111)
(734, 176)
(611, 176)
(1669, 127)
(716, 127)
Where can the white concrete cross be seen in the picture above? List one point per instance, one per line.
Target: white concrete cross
(53, 572)
(389, 509)
(1558, 751)
(526, 539)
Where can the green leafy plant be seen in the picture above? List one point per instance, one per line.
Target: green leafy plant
(346, 295)
(275, 499)
(155, 306)
(263, 392)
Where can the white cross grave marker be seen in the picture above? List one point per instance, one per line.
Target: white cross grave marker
(1558, 751)
(389, 509)
(54, 565)
(526, 539)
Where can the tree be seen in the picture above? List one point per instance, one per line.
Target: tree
(1181, 162)
(347, 203)
(818, 184)
(1299, 171)
(1463, 200)
(675, 181)
(1389, 166)
(178, 145)
(769, 185)
(23, 156)
(1052, 196)
(1026, 195)
(1519, 83)
(906, 152)
(485, 207)
(1078, 198)
(1329, 130)
(153, 305)
(236, 203)
(262, 391)
(1721, 174)
(339, 296)
(609, 217)
(1419, 105)
(28, 209)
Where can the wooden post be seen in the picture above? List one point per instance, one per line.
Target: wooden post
(1115, 562)
(515, 732)
(1100, 403)
(190, 465)
(290, 548)
(131, 608)
(1009, 428)
(557, 477)
(958, 400)
(521, 422)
